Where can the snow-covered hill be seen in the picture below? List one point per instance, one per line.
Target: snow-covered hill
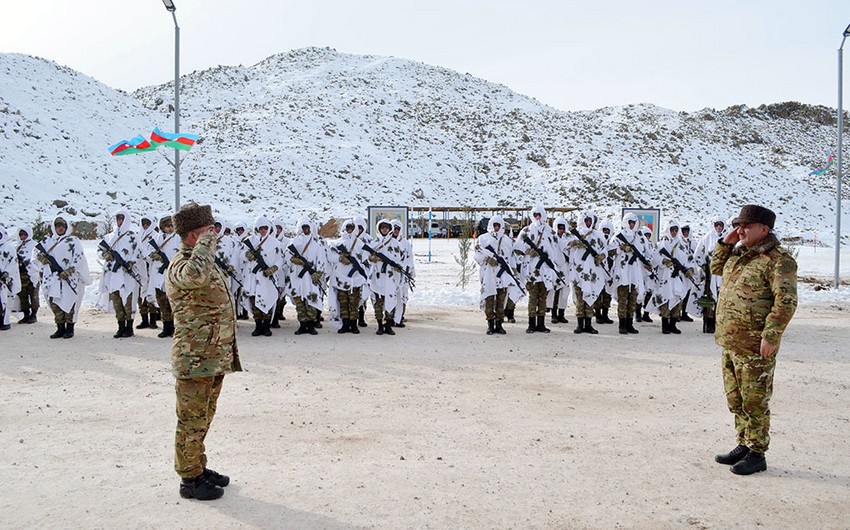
(325, 132)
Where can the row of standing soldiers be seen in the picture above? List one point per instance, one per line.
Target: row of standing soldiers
(264, 267)
(588, 262)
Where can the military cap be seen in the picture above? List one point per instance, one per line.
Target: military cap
(192, 216)
(751, 213)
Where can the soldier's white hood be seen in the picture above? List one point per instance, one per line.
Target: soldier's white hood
(493, 220)
(262, 220)
(537, 209)
(609, 225)
(126, 226)
(624, 224)
(671, 223)
(3, 237)
(26, 229)
(560, 220)
(582, 226)
(360, 222)
(143, 232)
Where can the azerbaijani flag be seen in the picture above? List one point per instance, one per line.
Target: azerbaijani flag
(181, 141)
(822, 170)
(136, 144)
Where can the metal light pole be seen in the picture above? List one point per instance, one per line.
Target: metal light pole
(169, 5)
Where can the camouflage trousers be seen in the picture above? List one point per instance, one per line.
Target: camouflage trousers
(604, 300)
(123, 309)
(748, 382)
(626, 301)
(164, 306)
(61, 317)
(494, 306)
(28, 295)
(380, 314)
(583, 309)
(349, 303)
(510, 304)
(305, 312)
(196, 403)
(537, 294)
(146, 308)
(256, 313)
(666, 312)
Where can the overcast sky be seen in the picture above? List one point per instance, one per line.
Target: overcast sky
(679, 54)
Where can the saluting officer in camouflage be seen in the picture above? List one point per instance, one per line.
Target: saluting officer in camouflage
(757, 299)
(203, 349)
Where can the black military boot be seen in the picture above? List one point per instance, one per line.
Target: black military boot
(302, 329)
(145, 323)
(60, 331)
(152, 320)
(388, 327)
(216, 478)
(167, 329)
(33, 318)
(275, 321)
(645, 317)
(732, 457)
(686, 317)
(499, 329)
(532, 325)
(579, 325)
(665, 326)
(561, 318)
(509, 314)
(25, 319)
(672, 326)
(353, 327)
(318, 322)
(361, 317)
(621, 329)
(258, 328)
(491, 326)
(344, 328)
(588, 328)
(199, 488)
(605, 318)
(630, 327)
(120, 332)
(754, 462)
(128, 328)
(708, 325)
(380, 328)
(555, 309)
(598, 314)
(69, 331)
(267, 329)
(541, 325)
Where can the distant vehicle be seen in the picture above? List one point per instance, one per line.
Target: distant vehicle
(457, 230)
(435, 230)
(415, 230)
(482, 225)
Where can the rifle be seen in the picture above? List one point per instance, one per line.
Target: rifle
(54, 265)
(504, 267)
(677, 266)
(588, 250)
(120, 262)
(261, 261)
(165, 261)
(388, 261)
(307, 267)
(223, 266)
(357, 267)
(544, 258)
(637, 255)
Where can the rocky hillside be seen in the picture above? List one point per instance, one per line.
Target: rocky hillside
(324, 132)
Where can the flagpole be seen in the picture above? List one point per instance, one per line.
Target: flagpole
(176, 110)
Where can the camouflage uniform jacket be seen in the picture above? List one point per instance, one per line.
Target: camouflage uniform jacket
(758, 295)
(204, 318)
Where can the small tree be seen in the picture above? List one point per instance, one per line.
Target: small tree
(464, 245)
(40, 229)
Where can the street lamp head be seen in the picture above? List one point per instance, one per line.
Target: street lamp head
(169, 5)
(847, 31)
